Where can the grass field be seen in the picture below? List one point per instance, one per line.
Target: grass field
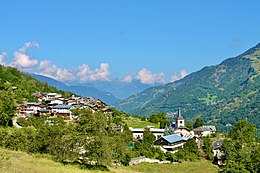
(20, 162)
(201, 166)
(137, 123)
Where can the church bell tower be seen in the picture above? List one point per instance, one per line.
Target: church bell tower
(179, 120)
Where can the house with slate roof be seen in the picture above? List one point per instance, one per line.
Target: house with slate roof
(62, 110)
(170, 143)
(217, 152)
(205, 130)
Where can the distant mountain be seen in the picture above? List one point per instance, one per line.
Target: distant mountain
(107, 97)
(221, 94)
(118, 88)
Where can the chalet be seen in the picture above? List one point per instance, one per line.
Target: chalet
(62, 110)
(170, 143)
(217, 152)
(205, 130)
(21, 108)
(43, 112)
(52, 96)
(28, 108)
(138, 132)
(55, 102)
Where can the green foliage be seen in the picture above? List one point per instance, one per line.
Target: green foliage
(148, 137)
(207, 147)
(241, 149)
(189, 125)
(90, 138)
(198, 122)
(189, 152)
(7, 108)
(159, 118)
(171, 157)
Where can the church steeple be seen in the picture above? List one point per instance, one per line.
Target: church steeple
(179, 120)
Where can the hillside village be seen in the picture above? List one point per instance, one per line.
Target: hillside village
(55, 105)
(170, 139)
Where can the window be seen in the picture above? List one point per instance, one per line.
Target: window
(180, 122)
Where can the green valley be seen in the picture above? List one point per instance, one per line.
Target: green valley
(220, 94)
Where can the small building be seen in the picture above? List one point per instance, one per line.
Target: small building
(217, 152)
(43, 112)
(51, 96)
(205, 130)
(56, 102)
(138, 132)
(170, 143)
(28, 108)
(62, 110)
(182, 131)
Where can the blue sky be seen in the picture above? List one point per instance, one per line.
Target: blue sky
(148, 40)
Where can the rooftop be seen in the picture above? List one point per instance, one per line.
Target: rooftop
(62, 107)
(173, 138)
(205, 128)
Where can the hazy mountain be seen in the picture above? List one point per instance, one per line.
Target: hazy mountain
(107, 97)
(118, 88)
(220, 94)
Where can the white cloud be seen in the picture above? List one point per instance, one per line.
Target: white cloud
(28, 45)
(127, 79)
(181, 75)
(147, 77)
(47, 68)
(102, 73)
(2, 58)
(85, 74)
(23, 61)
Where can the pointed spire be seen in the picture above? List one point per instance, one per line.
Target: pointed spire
(179, 115)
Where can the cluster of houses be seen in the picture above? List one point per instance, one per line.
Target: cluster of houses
(174, 136)
(55, 105)
(170, 139)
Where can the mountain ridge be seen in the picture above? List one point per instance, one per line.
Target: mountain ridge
(107, 97)
(214, 92)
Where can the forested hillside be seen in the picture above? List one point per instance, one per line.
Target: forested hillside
(221, 94)
(17, 87)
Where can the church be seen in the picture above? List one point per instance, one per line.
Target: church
(176, 135)
(177, 127)
(180, 126)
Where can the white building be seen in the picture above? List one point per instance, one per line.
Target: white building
(205, 130)
(138, 132)
(62, 110)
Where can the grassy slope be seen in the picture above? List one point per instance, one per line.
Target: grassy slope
(20, 162)
(194, 167)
